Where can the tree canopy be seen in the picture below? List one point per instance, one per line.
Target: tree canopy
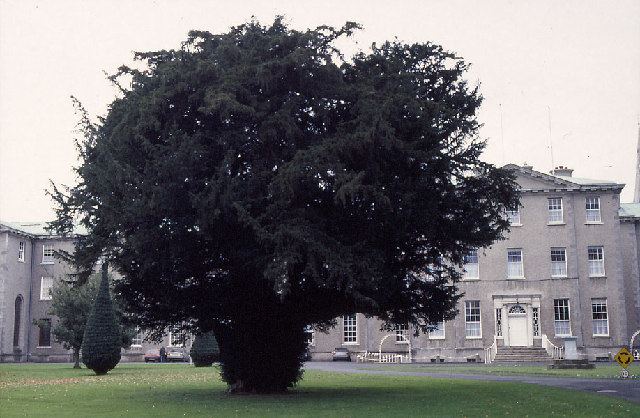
(253, 182)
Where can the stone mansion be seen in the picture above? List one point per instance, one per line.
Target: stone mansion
(569, 268)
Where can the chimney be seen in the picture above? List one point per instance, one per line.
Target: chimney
(562, 171)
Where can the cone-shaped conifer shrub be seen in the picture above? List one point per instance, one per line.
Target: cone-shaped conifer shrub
(102, 339)
(204, 350)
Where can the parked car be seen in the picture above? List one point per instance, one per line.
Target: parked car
(177, 354)
(341, 354)
(152, 356)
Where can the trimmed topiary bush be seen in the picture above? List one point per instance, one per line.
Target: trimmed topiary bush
(102, 337)
(204, 350)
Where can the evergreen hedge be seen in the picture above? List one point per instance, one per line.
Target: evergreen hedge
(102, 337)
(204, 350)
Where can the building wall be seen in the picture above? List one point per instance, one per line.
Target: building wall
(538, 289)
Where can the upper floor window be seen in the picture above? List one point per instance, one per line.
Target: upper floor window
(558, 262)
(600, 317)
(47, 254)
(472, 319)
(562, 323)
(21, 251)
(555, 210)
(515, 268)
(350, 329)
(46, 283)
(438, 332)
(513, 216)
(402, 333)
(471, 270)
(593, 209)
(596, 261)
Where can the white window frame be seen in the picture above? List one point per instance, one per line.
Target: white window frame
(555, 211)
(438, 333)
(350, 329)
(471, 269)
(513, 216)
(535, 319)
(45, 291)
(498, 319)
(559, 308)
(21, 251)
(179, 334)
(138, 338)
(511, 252)
(558, 267)
(599, 307)
(472, 320)
(592, 208)
(46, 257)
(596, 265)
(312, 332)
(402, 333)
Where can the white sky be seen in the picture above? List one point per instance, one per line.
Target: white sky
(580, 59)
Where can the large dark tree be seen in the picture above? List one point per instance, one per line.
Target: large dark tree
(254, 182)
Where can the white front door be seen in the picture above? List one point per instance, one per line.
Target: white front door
(518, 330)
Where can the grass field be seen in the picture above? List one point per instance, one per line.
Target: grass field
(602, 370)
(139, 390)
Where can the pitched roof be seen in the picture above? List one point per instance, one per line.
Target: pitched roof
(629, 211)
(36, 229)
(568, 182)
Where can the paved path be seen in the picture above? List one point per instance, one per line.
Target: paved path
(626, 389)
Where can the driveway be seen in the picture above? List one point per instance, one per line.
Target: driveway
(627, 389)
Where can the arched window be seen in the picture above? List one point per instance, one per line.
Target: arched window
(16, 321)
(517, 309)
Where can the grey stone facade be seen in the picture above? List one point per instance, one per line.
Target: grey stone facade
(22, 274)
(528, 305)
(508, 305)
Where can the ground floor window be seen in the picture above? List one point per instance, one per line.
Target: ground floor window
(536, 322)
(600, 317)
(562, 316)
(177, 338)
(350, 329)
(438, 332)
(472, 319)
(310, 335)
(498, 322)
(402, 333)
(138, 338)
(44, 334)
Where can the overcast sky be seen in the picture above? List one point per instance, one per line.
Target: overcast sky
(580, 60)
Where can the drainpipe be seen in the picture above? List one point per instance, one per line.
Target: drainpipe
(33, 248)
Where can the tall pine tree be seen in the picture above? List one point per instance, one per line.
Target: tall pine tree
(102, 336)
(253, 183)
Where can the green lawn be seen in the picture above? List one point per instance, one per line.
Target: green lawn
(139, 390)
(602, 370)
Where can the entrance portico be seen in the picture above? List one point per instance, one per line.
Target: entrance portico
(517, 319)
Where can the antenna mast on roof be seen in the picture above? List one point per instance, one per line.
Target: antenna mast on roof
(553, 165)
(636, 192)
(501, 133)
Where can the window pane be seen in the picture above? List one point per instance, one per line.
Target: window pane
(46, 283)
(558, 262)
(401, 333)
(593, 209)
(514, 263)
(437, 332)
(472, 318)
(471, 269)
(44, 335)
(600, 317)
(350, 329)
(514, 216)
(555, 209)
(596, 261)
(562, 320)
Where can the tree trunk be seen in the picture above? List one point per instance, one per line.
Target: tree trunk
(76, 358)
(262, 353)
